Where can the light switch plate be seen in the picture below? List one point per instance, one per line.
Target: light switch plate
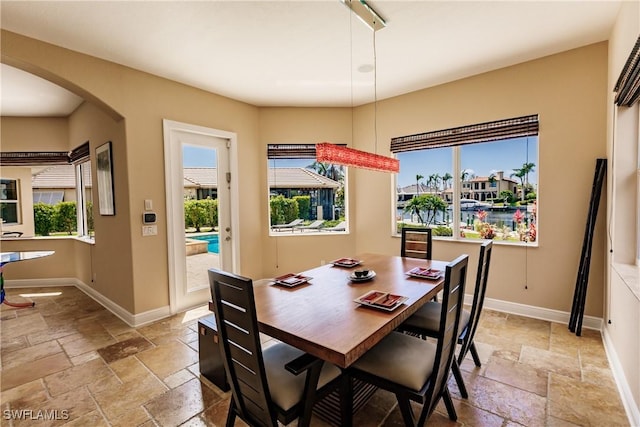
(149, 230)
(148, 204)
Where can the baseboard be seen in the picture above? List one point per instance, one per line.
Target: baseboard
(630, 406)
(40, 283)
(556, 316)
(133, 320)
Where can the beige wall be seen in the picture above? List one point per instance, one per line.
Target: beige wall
(62, 264)
(622, 305)
(113, 278)
(34, 134)
(568, 91)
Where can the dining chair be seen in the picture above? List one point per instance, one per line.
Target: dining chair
(424, 322)
(266, 385)
(416, 243)
(415, 369)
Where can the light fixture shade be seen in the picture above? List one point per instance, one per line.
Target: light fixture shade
(339, 155)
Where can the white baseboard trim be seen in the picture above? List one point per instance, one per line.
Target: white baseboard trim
(133, 320)
(630, 406)
(40, 283)
(556, 316)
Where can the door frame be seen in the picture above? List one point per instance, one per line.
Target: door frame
(174, 191)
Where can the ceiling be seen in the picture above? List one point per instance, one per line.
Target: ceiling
(296, 53)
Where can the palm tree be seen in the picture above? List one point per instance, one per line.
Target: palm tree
(434, 178)
(528, 167)
(415, 206)
(445, 180)
(430, 181)
(521, 175)
(418, 178)
(328, 170)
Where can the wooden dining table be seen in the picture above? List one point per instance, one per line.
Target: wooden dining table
(321, 317)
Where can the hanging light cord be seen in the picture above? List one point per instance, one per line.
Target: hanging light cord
(351, 71)
(375, 95)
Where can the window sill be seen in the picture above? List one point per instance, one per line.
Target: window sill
(495, 242)
(86, 239)
(630, 275)
(89, 240)
(298, 233)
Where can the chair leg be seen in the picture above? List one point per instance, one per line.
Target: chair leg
(474, 354)
(457, 374)
(405, 409)
(448, 403)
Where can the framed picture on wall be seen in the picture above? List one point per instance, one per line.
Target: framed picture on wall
(104, 162)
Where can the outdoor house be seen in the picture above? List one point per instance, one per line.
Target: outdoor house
(291, 182)
(481, 188)
(56, 184)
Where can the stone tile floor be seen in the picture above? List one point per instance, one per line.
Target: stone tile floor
(71, 359)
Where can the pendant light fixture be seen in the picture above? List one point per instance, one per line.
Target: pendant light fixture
(340, 155)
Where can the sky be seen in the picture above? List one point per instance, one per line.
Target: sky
(198, 157)
(480, 159)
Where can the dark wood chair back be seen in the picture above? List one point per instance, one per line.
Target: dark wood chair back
(452, 301)
(416, 243)
(240, 343)
(478, 298)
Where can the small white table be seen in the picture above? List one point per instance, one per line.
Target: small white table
(6, 258)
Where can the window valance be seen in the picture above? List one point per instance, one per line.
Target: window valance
(80, 154)
(627, 87)
(471, 134)
(292, 151)
(21, 158)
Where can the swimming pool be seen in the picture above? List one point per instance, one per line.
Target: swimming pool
(212, 242)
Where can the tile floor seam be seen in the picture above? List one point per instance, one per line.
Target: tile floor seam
(581, 365)
(98, 407)
(547, 406)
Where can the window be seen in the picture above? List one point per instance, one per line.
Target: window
(9, 207)
(80, 158)
(305, 196)
(494, 193)
(84, 200)
(61, 192)
(638, 214)
(627, 91)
